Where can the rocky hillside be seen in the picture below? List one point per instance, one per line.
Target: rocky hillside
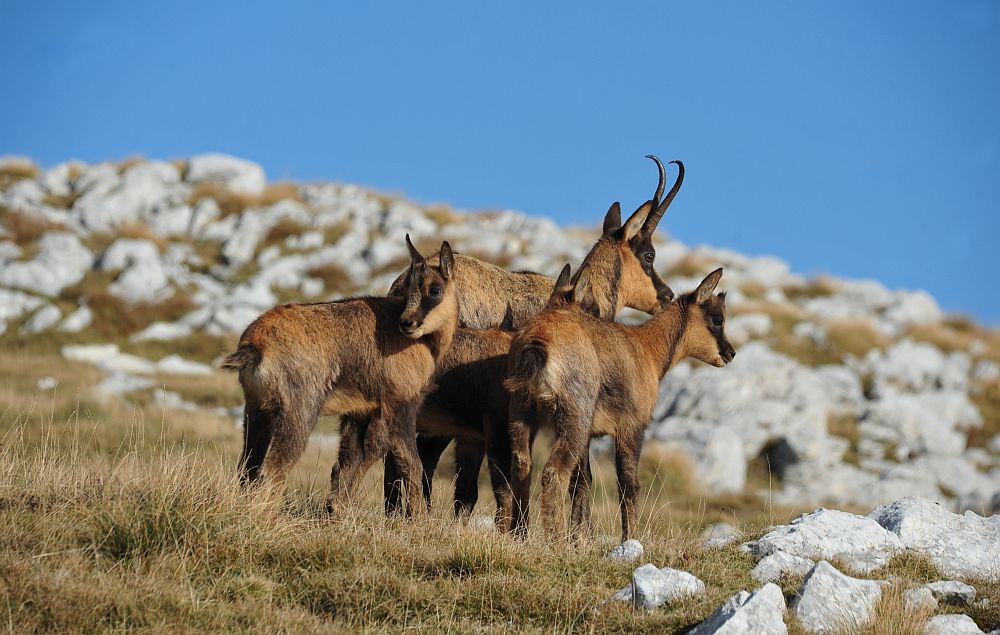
(843, 392)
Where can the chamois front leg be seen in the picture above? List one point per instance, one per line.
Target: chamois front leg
(579, 491)
(349, 454)
(499, 462)
(468, 460)
(627, 449)
(430, 450)
(402, 446)
(355, 457)
(567, 453)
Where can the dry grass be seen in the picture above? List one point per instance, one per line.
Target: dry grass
(129, 162)
(844, 337)
(753, 290)
(13, 172)
(24, 229)
(817, 287)
(140, 230)
(118, 518)
(442, 214)
(231, 202)
(283, 229)
(987, 398)
(846, 426)
(692, 265)
(115, 318)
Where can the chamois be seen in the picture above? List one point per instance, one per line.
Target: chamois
(469, 403)
(588, 377)
(370, 358)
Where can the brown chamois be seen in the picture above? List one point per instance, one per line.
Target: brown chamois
(367, 358)
(469, 403)
(589, 377)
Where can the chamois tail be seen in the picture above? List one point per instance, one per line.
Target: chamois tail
(246, 356)
(528, 366)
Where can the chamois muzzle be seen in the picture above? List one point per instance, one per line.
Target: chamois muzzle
(728, 353)
(409, 328)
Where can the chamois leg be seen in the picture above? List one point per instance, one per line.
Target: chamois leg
(349, 454)
(430, 450)
(499, 461)
(567, 453)
(391, 491)
(468, 460)
(627, 466)
(580, 486)
(402, 445)
(520, 468)
(289, 437)
(257, 426)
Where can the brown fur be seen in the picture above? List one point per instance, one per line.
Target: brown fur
(590, 377)
(371, 359)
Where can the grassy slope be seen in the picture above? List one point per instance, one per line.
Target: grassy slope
(116, 517)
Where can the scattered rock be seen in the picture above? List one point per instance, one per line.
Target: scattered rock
(628, 551)
(831, 602)
(964, 546)
(43, 319)
(77, 320)
(119, 383)
(238, 175)
(920, 599)
(175, 364)
(47, 383)
(858, 541)
(162, 331)
(952, 592)
(653, 587)
(61, 261)
(779, 565)
(719, 535)
(758, 613)
(952, 625)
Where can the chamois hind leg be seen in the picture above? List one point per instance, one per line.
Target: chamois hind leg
(571, 428)
(349, 454)
(521, 434)
(354, 460)
(580, 486)
(289, 436)
(499, 462)
(392, 493)
(627, 451)
(257, 426)
(468, 460)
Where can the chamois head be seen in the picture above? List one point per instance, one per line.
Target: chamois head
(705, 336)
(430, 302)
(625, 254)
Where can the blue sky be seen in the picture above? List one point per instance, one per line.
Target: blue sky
(857, 138)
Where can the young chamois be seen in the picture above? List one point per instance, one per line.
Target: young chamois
(588, 377)
(367, 358)
(469, 403)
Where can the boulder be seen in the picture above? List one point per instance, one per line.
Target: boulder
(718, 456)
(758, 613)
(779, 565)
(930, 422)
(43, 319)
(719, 535)
(917, 367)
(177, 365)
(920, 599)
(119, 383)
(77, 320)
(963, 546)
(913, 307)
(952, 592)
(831, 602)
(238, 175)
(14, 304)
(859, 542)
(90, 353)
(162, 331)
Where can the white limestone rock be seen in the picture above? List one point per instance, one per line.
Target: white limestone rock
(720, 534)
(758, 613)
(920, 599)
(61, 261)
(43, 319)
(77, 320)
(779, 565)
(858, 541)
(653, 587)
(963, 546)
(952, 592)
(90, 353)
(628, 551)
(162, 331)
(717, 454)
(953, 624)
(177, 365)
(913, 307)
(917, 367)
(120, 383)
(238, 175)
(14, 304)
(929, 422)
(831, 602)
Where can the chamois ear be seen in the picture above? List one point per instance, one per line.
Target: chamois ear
(563, 282)
(415, 256)
(582, 291)
(634, 223)
(613, 219)
(447, 265)
(707, 286)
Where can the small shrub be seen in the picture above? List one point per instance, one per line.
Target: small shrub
(24, 229)
(283, 229)
(136, 229)
(15, 171)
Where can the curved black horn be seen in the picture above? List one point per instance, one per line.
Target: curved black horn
(663, 178)
(654, 216)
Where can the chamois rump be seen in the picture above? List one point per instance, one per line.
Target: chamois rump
(366, 358)
(586, 377)
(469, 402)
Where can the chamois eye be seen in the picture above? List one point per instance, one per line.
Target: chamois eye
(435, 291)
(717, 320)
(648, 257)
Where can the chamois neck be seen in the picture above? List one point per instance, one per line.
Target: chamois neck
(663, 336)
